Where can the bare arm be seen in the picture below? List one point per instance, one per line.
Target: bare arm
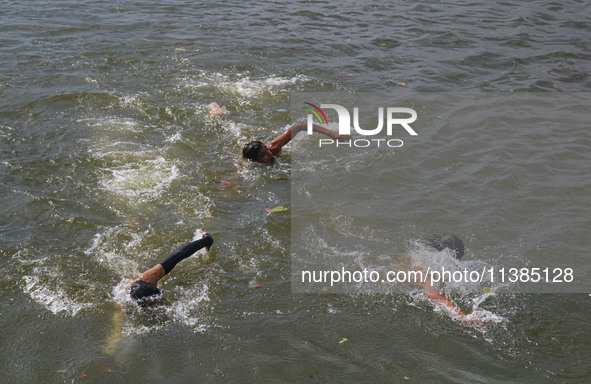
(433, 294)
(276, 145)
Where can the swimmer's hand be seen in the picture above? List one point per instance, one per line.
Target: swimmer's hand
(474, 323)
(203, 233)
(215, 110)
(340, 137)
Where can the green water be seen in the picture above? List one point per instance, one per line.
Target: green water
(109, 162)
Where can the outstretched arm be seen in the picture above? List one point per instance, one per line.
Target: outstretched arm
(157, 272)
(276, 145)
(182, 253)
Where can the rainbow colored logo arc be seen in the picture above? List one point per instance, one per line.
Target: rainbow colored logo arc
(315, 111)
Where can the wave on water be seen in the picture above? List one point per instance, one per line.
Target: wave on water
(242, 85)
(142, 181)
(52, 296)
(191, 306)
(53, 284)
(110, 248)
(137, 165)
(252, 88)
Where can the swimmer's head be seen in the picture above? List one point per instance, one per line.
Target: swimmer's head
(144, 293)
(258, 152)
(451, 242)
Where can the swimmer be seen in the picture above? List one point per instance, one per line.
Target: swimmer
(144, 291)
(456, 246)
(265, 153)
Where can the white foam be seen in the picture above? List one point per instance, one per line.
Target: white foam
(114, 124)
(131, 101)
(244, 86)
(486, 316)
(234, 128)
(331, 309)
(174, 138)
(192, 307)
(132, 169)
(120, 293)
(110, 247)
(143, 181)
(248, 87)
(52, 298)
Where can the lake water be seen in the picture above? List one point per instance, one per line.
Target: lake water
(109, 162)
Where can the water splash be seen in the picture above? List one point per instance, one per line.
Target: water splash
(52, 296)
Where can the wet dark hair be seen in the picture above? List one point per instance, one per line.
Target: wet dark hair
(453, 243)
(143, 293)
(251, 150)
